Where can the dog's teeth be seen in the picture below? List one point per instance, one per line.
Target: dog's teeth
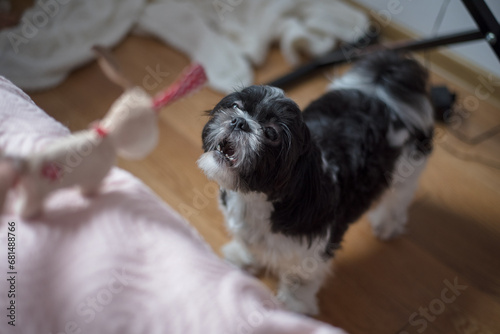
(228, 157)
(218, 148)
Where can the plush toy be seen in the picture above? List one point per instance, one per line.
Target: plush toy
(129, 130)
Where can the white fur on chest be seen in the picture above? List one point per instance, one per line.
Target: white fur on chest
(248, 216)
(248, 219)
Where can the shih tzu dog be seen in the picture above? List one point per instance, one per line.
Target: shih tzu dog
(291, 181)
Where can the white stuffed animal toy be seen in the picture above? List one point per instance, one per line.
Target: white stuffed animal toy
(129, 130)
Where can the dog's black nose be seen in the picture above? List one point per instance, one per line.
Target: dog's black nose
(239, 123)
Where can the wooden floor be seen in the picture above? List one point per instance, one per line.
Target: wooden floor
(442, 277)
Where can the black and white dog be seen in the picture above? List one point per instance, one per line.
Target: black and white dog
(291, 181)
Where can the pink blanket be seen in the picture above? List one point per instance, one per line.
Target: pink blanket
(123, 262)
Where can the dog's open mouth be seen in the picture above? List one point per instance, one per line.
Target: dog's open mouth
(226, 149)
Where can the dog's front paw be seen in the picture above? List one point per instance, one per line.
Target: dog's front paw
(385, 234)
(237, 254)
(388, 227)
(292, 303)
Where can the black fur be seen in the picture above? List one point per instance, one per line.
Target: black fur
(405, 79)
(346, 129)
(223, 197)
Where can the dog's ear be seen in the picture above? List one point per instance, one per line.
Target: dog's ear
(306, 138)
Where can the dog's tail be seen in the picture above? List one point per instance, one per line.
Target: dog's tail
(400, 82)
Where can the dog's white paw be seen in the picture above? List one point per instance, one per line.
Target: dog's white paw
(292, 303)
(387, 227)
(237, 254)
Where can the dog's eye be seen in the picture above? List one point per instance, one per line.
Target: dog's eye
(271, 133)
(235, 106)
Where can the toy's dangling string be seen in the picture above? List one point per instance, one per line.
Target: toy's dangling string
(111, 68)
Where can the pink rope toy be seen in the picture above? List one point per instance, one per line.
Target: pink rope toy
(191, 79)
(129, 130)
(188, 81)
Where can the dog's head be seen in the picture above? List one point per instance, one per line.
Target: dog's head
(253, 140)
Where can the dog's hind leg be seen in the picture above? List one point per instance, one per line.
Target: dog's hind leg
(388, 218)
(298, 292)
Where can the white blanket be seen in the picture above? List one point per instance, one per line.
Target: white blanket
(227, 36)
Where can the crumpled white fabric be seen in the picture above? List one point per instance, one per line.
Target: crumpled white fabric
(228, 37)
